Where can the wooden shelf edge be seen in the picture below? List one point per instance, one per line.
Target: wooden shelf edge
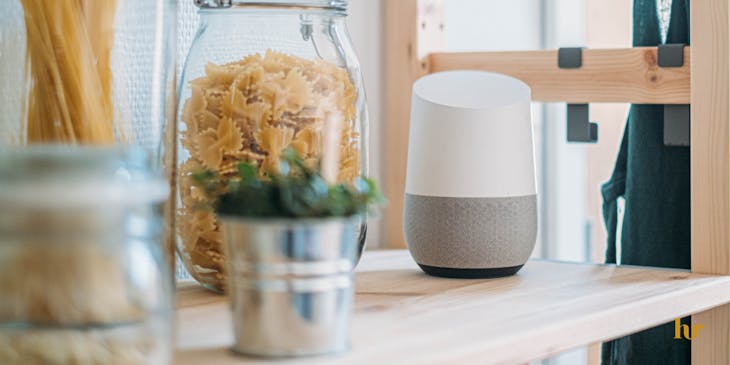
(636, 317)
(625, 75)
(549, 307)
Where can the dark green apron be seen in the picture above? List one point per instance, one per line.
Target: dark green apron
(654, 181)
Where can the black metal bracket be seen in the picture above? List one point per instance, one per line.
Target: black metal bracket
(570, 57)
(579, 128)
(676, 116)
(676, 125)
(670, 55)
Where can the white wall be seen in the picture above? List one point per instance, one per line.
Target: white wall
(492, 25)
(365, 22)
(564, 215)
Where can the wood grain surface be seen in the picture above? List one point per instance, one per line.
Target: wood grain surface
(623, 75)
(403, 316)
(710, 167)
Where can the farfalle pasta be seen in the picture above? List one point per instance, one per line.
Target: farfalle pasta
(250, 111)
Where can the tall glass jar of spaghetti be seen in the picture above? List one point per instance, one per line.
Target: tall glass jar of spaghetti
(89, 72)
(262, 77)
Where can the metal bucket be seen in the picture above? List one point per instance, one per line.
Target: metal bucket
(290, 283)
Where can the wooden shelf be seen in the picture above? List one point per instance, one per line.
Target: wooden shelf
(624, 75)
(403, 316)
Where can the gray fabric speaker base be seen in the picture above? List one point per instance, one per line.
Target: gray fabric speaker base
(470, 233)
(446, 272)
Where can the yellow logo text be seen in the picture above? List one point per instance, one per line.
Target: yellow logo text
(683, 330)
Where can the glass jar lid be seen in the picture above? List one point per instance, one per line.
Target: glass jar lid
(324, 4)
(62, 177)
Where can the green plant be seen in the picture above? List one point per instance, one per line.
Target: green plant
(297, 191)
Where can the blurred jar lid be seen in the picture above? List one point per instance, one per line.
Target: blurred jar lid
(222, 4)
(72, 177)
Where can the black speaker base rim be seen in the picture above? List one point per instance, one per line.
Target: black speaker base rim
(447, 272)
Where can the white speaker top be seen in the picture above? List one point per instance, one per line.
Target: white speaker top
(471, 89)
(470, 136)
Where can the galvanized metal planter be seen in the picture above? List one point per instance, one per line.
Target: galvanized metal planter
(291, 284)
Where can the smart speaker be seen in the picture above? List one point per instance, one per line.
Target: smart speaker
(470, 199)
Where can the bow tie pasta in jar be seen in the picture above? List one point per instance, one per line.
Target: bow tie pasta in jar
(260, 79)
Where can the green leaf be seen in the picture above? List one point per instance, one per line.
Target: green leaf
(295, 192)
(246, 172)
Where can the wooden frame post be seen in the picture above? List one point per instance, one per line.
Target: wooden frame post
(710, 167)
(413, 29)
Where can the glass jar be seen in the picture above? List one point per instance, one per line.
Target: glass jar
(260, 77)
(83, 279)
(107, 79)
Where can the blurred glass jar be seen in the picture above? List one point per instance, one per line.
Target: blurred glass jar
(103, 80)
(83, 279)
(260, 77)
(90, 72)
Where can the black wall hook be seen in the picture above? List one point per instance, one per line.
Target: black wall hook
(579, 128)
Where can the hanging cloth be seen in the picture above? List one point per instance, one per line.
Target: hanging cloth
(654, 181)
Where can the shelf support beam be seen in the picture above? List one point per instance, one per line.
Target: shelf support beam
(622, 75)
(710, 167)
